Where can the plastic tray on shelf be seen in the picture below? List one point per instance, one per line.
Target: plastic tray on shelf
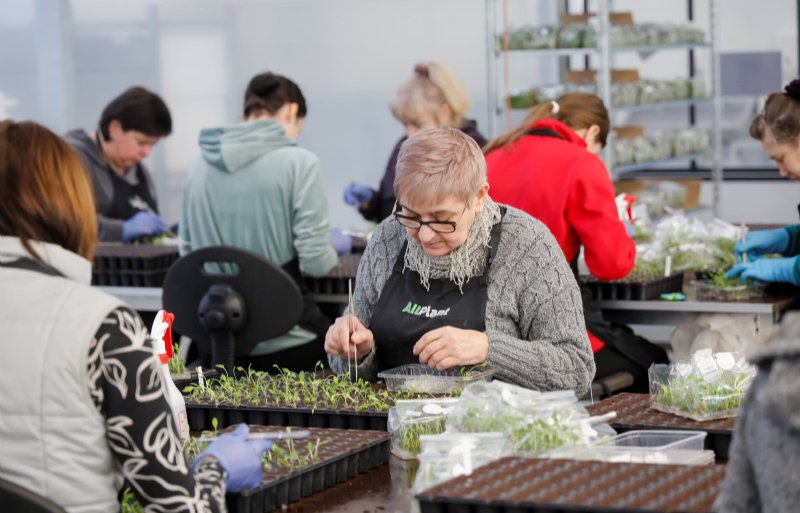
(632, 290)
(416, 377)
(522, 485)
(343, 454)
(122, 265)
(634, 413)
(200, 417)
(708, 291)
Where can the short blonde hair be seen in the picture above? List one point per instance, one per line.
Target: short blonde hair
(431, 85)
(436, 163)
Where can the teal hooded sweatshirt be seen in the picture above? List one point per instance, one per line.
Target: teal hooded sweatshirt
(253, 188)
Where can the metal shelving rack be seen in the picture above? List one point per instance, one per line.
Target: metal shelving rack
(605, 52)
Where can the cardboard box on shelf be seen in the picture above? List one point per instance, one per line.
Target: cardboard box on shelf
(589, 76)
(617, 18)
(636, 186)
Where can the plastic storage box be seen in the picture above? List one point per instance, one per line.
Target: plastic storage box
(420, 378)
(708, 291)
(660, 447)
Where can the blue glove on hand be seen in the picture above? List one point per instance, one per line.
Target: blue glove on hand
(762, 243)
(343, 243)
(142, 224)
(241, 458)
(356, 194)
(767, 269)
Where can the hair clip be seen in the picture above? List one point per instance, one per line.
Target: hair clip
(422, 70)
(554, 107)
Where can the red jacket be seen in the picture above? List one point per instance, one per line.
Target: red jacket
(560, 183)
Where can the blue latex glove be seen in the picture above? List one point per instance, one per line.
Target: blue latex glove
(240, 457)
(343, 243)
(356, 194)
(142, 224)
(767, 269)
(762, 243)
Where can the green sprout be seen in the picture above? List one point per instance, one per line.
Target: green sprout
(406, 437)
(177, 365)
(695, 397)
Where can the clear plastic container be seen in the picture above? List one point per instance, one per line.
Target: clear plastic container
(416, 377)
(708, 291)
(409, 419)
(659, 447)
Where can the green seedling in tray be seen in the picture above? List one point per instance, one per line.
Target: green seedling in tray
(177, 365)
(293, 390)
(407, 434)
(699, 399)
(525, 435)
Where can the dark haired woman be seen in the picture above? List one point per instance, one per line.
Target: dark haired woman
(548, 167)
(130, 125)
(253, 188)
(778, 129)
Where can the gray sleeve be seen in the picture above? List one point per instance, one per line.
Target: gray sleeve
(373, 271)
(537, 334)
(739, 493)
(108, 229)
(310, 227)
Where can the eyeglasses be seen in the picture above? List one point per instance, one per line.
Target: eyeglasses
(415, 223)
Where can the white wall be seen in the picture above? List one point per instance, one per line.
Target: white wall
(348, 56)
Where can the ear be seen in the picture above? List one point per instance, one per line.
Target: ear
(445, 114)
(292, 110)
(593, 131)
(481, 195)
(115, 128)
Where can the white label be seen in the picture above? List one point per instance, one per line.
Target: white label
(704, 361)
(432, 409)
(726, 361)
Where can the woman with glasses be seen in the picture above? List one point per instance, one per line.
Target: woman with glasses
(454, 279)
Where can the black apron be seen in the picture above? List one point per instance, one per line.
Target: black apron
(128, 200)
(406, 311)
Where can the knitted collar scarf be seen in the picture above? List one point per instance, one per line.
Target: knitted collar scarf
(461, 264)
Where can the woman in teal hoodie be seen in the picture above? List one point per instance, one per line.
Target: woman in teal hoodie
(253, 188)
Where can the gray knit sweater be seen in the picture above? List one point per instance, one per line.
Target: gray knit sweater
(534, 317)
(763, 472)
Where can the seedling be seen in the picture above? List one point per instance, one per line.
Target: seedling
(699, 399)
(177, 365)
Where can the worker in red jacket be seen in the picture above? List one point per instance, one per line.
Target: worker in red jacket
(548, 167)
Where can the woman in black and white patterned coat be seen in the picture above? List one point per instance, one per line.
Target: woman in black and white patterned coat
(83, 406)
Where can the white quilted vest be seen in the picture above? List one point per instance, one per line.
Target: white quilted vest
(52, 439)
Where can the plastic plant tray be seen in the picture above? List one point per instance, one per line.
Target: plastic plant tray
(634, 413)
(200, 417)
(335, 282)
(416, 377)
(632, 290)
(187, 378)
(661, 447)
(708, 291)
(132, 266)
(520, 485)
(343, 455)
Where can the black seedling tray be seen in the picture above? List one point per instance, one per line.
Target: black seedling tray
(121, 265)
(521, 485)
(335, 282)
(200, 415)
(344, 454)
(631, 290)
(634, 412)
(192, 378)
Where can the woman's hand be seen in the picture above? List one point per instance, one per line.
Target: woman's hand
(339, 341)
(447, 347)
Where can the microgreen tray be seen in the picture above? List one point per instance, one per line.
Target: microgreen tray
(342, 455)
(522, 485)
(634, 413)
(632, 290)
(201, 416)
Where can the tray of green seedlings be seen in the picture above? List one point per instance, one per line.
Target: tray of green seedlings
(697, 397)
(646, 281)
(297, 468)
(419, 378)
(718, 287)
(411, 418)
(288, 398)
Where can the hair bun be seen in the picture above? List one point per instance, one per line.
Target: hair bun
(793, 89)
(264, 85)
(422, 70)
